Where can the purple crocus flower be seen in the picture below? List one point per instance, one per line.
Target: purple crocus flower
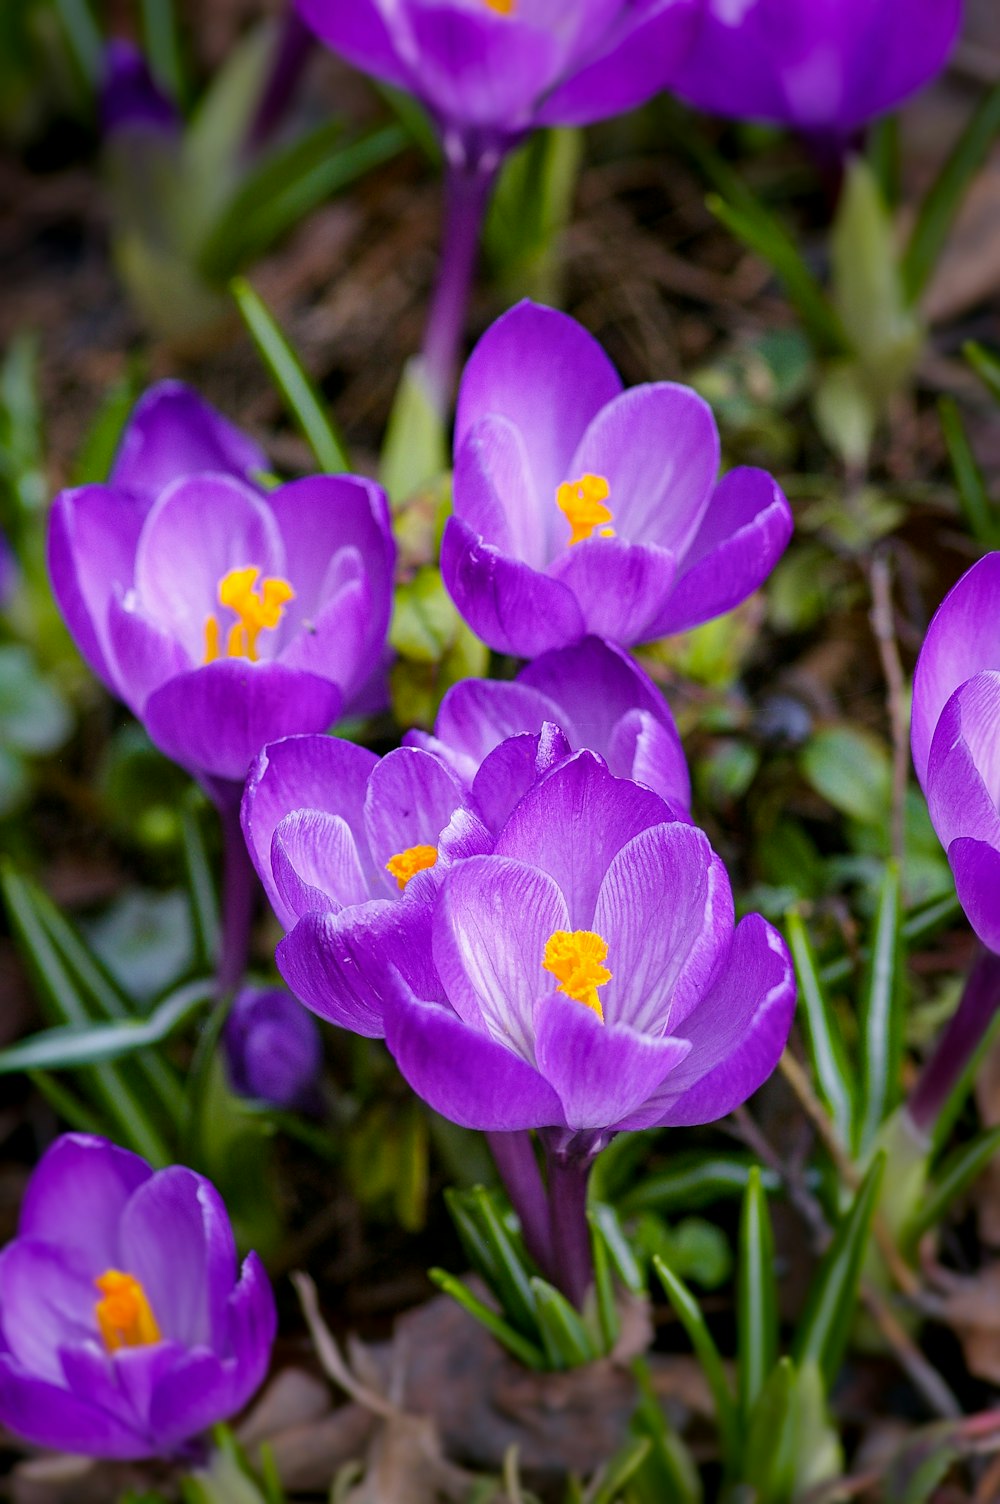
(222, 616)
(273, 1049)
(126, 1326)
(956, 739)
(590, 977)
(594, 692)
(825, 67)
(488, 71)
(130, 100)
(351, 850)
(582, 508)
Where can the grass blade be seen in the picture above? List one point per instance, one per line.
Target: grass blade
(979, 514)
(823, 1034)
(986, 366)
(522, 1349)
(566, 1340)
(882, 1016)
(955, 1176)
(69, 1046)
(757, 1301)
(690, 1317)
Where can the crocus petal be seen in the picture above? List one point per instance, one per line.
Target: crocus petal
(410, 799)
(189, 1274)
(666, 911)
(172, 433)
(511, 769)
(602, 1072)
(594, 683)
(491, 926)
(199, 529)
(303, 772)
(480, 69)
(47, 1298)
(315, 864)
(629, 72)
(336, 963)
(253, 1323)
(571, 825)
(359, 33)
(463, 1073)
(82, 1182)
(92, 539)
(743, 535)
(48, 1415)
(495, 491)
(977, 881)
(144, 656)
(620, 587)
(193, 1394)
(643, 748)
(513, 608)
(963, 771)
(476, 715)
(544, 373)
(657, 446)
(216, 718)
(737, 1033)
(962, 639)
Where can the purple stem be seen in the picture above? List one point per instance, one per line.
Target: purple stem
(293, 48)
(239, 897)
(572, 1262)
(467, 190)
(514, 1157)
(962, 1035)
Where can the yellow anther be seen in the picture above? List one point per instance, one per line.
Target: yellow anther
(406, 864)
(124, 1315)
(256, 607)
(582, 504)
(574, 957)
(502, 7)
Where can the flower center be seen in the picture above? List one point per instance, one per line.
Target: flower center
(256, 608)
(502, 7)
(124, 1315)
(574, 957)
(406, 864)
(582, 504)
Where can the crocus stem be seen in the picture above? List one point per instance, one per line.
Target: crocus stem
(514, 1156)
(467, 191)
(572, 1267)
(962, 1035)
(239, 894)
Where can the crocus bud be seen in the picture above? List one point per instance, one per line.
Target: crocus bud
(273, 1049)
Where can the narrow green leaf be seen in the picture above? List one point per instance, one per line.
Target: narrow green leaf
(690, 1317)
(955, 1176)
(623, 1260)
(522, 1349)
(942, 203)
(566, 1340)
(757, 1301)
(415, 447)
(83, 38)
(693, 1180)
(951, 1108)
(670, 1472)
(93, 463)
(513, 1287)
(471, 1235)
(762, 234)
(291, 182)
(825, 1326)
(161, 38)
(69, 1046)
(304, 402)
(604, 1287)
(823, 1034)
(204, 902)
(769, 1461)
(882, 1016)
(980, 516)
(985, 364)
(67, 1104)
(606, 1488)
(925, 921)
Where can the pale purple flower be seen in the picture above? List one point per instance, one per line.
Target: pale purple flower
(222, 615)
(351, 850)
(956, 739)
(590, 976)
(582, 508)
(825, 67)
(594, 692)
(272, 1048)
(127, 1327)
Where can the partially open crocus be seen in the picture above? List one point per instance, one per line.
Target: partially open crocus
(590, 976)
(956, 739)
(223, 617)
(127, 1327)
(273, 1050)
(824, 66)
(595, 693)
(351, 849)
(582, 508)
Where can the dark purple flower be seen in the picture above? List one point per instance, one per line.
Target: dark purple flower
(956, 739)
(273, 1049)
(582, 508)
(351, 850)
(223, 616)
(598, 697)
(823, 66)
(130, 99)
(126, 1326)
(490, 70)
(590, 975)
